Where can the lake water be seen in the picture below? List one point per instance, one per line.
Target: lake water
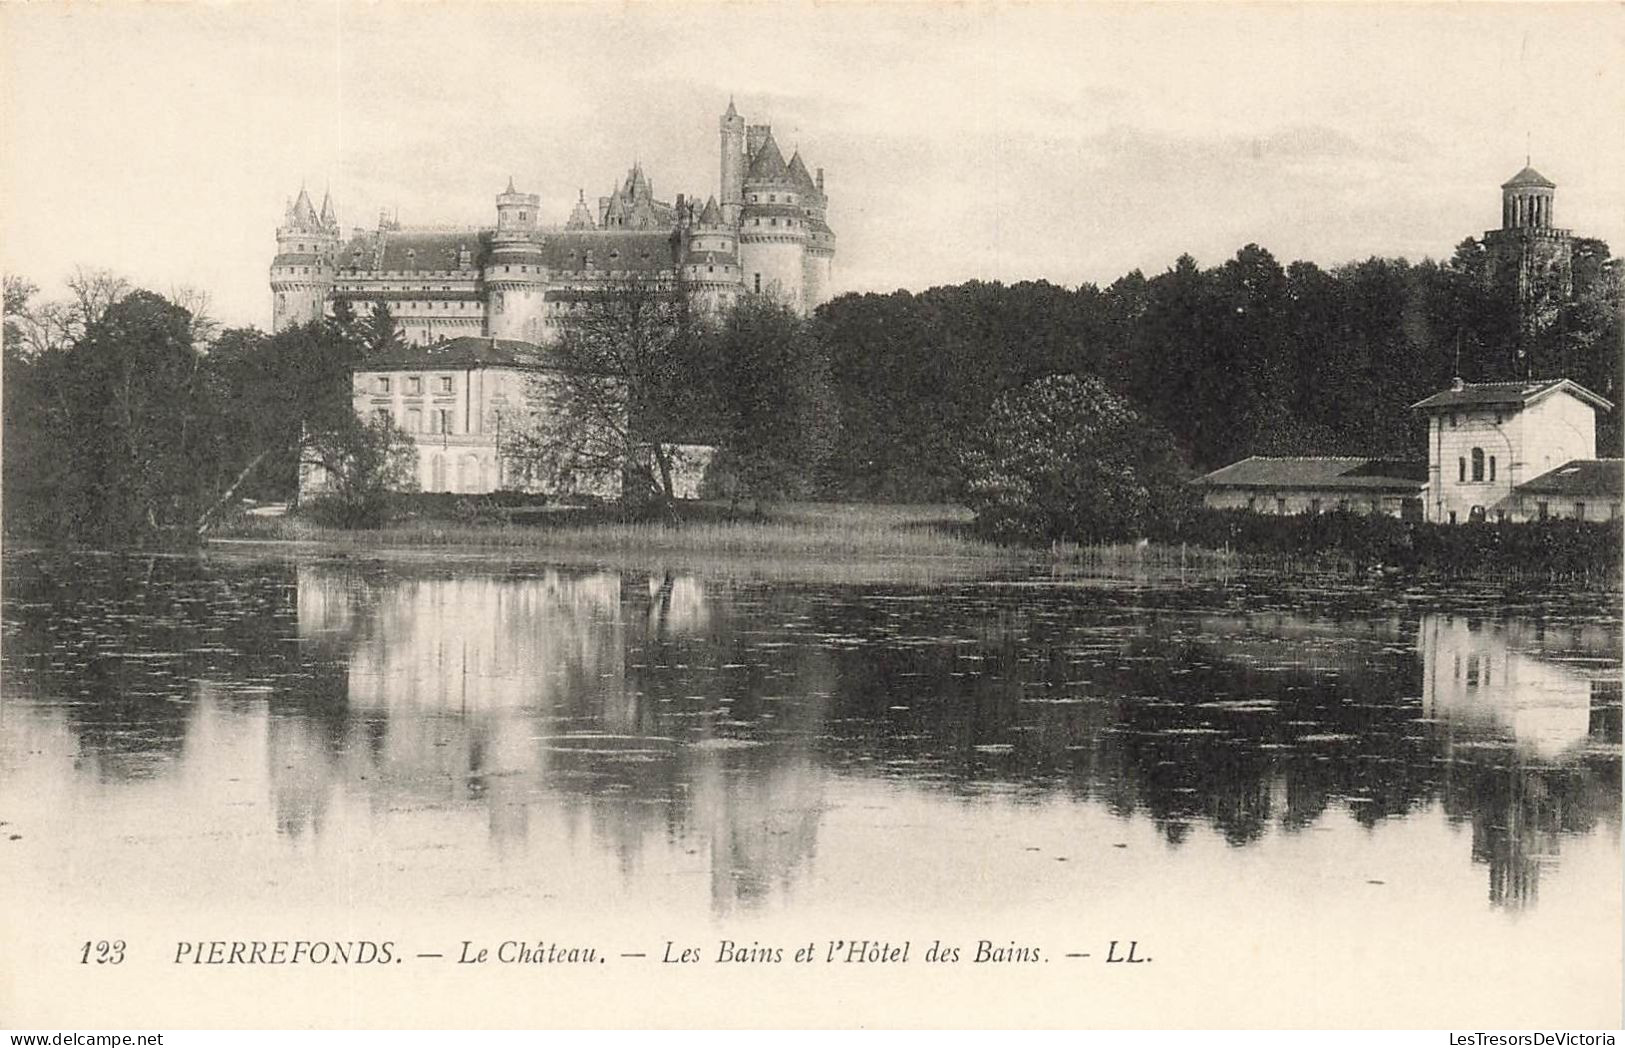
(1317, 805)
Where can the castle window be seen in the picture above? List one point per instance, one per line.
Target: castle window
(772, 221)
(1478, 464)
(758, 283)
(1492, 467)
(710, 269)
(1461, 470)
(772, 199)
(521, 216)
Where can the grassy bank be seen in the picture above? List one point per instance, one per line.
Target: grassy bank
(806, 530)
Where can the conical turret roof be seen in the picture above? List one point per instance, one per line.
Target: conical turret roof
(768, 163)
(303, 213)
(798, 171)
(1528, 177)
(712, 214)
(330, 218)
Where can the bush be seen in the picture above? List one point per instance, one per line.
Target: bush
(1064, 458)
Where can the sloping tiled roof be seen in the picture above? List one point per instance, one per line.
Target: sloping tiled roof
(1356, 474)
(1528, 177)
(638, 250)
(712, 215)
(1519, 394)
(1599, 477)
(467, 352)
(409, 250)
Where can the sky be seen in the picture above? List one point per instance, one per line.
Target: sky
(994, 141)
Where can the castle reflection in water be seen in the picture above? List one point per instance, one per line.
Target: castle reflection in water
(716, 716)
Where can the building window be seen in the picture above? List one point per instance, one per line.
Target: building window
(1579, 511)
(1314, 506)
(1542, 510)
(1478, 465)
(1454, 418)
(772, 198)
(758, 283)
(383, 384)
(1613, 511)
(1280, 506)
(1461, 470)
(445, 383)
(414, 385)
(414, 420)
(1492, 467)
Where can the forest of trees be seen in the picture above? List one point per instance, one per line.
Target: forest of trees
(1248, 357)
(128, 412)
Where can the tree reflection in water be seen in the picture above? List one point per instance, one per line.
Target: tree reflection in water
(713, 715)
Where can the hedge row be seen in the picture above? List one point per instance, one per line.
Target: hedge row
(1552, 547)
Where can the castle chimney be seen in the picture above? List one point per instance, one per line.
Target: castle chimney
(1457, 385)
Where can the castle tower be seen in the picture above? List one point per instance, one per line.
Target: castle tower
(732, 128)
(516, 272)
(772, 225)
(711, 259)
(1529, 257)
(302, 272)
(818, 260)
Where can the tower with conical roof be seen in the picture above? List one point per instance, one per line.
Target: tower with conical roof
(302, 271)
(711, 259)
(516, 269)
(772, 224)
(1530, 258)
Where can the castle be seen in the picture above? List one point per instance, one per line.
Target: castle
(764, 233)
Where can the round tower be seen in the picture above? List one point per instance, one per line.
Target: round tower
(818, 259)
(515, 270)
(732, 129)
(711, 260)
(772, 227)
(302, 272)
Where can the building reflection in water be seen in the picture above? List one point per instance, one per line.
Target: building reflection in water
(593, 691)
(1520, 709)
(699, 726)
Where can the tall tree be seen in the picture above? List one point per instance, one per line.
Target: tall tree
(613, 396)
(770, 401)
